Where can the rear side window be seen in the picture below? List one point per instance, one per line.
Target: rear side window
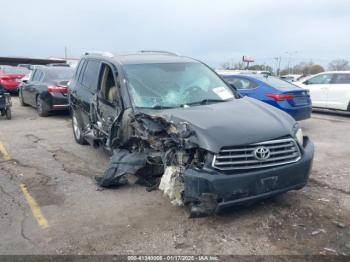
(90, 75)
(241, 83)
(320, 79)
(342, 79)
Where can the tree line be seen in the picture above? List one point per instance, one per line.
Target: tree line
(303, 68)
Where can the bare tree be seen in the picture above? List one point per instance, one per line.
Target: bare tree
(261, 68)
(242, 66)
(225, 65)
(314, 69)
(339, 65)
(305, 68)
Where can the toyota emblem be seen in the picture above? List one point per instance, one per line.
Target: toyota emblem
(262, 153)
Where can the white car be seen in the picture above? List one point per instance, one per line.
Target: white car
(291, 77)
(330, 90)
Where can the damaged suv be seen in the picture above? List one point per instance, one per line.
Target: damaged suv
(178, 126)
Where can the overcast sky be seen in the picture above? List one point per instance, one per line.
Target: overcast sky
(213, 31)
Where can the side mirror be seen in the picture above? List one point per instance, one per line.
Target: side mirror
(237, 94)
(306, 82)
(25, 81)
(233, 86)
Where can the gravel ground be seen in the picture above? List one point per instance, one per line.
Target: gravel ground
(83, 219)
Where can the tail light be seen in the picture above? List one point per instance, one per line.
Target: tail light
(280, 97)
(5, 78)
(58, 89)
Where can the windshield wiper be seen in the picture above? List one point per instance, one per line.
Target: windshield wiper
(156, 107)
(205, 102)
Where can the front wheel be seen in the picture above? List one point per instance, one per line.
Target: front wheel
(40, 107)
(77, 130)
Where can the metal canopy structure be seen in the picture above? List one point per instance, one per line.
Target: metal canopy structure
(14, 61)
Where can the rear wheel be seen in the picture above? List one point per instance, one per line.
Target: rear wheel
(40, 107)
(21, 100)
(8, 114)
(77, 130)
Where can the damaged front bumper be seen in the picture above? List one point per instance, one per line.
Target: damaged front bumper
(227, 189)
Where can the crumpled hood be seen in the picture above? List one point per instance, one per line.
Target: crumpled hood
(237, 122)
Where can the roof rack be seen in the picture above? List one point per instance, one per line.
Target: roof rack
(101, 53)
(158, 51)
(58, 65)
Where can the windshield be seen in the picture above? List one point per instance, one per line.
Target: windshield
(175, 84)
(277, 83)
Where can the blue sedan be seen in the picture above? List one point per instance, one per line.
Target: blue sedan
(274, 91)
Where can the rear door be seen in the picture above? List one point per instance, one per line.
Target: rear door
(339, 92)
(29, 90)
(36, 86)
(86, 88)
(26, 86)
(108, 97)
(318, 87)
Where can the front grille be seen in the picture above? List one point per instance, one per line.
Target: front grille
(281, 152)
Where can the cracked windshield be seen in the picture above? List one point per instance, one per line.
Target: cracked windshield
(167, 85)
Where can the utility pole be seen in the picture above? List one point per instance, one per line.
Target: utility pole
(275, 65)
(278, 65)
(65, 52)
(289, 59)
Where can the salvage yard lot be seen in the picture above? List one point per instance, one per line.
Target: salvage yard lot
(51, 205)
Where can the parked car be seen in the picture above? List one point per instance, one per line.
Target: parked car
(172, 118)
(10, 76)
(291, 77)
(46, 89)
(330, 90)
(244, 71)
(274, 91)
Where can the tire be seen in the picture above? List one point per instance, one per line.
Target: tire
(39, 107)
(77, 131)
(21, 100)
(8, 114)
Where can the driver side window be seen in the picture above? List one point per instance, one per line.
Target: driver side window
(320, 80)
(109, 89)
